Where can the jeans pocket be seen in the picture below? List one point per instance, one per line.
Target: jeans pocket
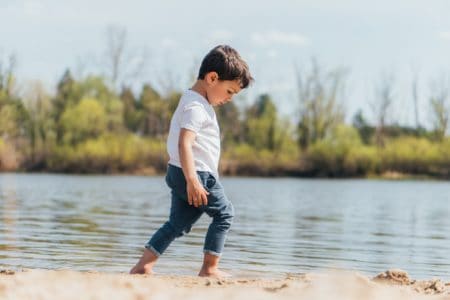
(210, 182)
(203, 177)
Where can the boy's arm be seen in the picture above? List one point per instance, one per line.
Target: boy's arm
(197, 195)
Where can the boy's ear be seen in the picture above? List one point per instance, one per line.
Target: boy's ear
(212, 77)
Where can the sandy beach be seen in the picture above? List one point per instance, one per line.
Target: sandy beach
(45, 284)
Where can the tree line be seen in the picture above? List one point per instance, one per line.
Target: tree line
(89, 125)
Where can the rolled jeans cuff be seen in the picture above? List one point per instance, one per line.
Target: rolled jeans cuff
(150, 248)
(212, 252)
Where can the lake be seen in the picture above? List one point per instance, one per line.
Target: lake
(282, 225)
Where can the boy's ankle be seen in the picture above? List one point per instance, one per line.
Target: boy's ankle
(208, 269)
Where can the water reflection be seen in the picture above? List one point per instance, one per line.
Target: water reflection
(9, 210)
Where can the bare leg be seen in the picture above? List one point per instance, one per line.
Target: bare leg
(145, 263)
(210, 267)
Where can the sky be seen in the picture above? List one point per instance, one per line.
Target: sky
(368, 38)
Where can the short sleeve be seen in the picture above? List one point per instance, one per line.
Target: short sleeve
(193, 117)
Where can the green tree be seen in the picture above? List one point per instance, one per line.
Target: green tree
(132, 115)
(261, 123)
(157, 110)
(67, 93)
(153, 107)
(172, 98)
(96, 88)
(85, 120)
(13, 119)
(365, 130)
(231, 127)
(41, 129)
(13, 114)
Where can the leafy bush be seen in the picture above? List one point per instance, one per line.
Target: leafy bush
(342, 154)
(85, 120)
(110, 154)
(417, 156)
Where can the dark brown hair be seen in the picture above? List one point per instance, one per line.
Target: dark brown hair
(228, 64)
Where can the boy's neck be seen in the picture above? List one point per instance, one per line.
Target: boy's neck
(200, 87)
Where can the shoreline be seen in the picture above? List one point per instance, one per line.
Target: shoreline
(63, 284)
(390, 176)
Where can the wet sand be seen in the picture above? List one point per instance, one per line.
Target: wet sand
(45, 284)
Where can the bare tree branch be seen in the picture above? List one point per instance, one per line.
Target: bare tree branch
(382, 106)
(415, 96)
(318, 96)
(440, 109)
(122, 64)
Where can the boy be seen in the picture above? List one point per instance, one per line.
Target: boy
(193, 145)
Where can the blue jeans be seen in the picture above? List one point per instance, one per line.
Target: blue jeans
(183, 216)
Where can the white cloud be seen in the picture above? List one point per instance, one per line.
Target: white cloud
(279, 37)
(445, 35)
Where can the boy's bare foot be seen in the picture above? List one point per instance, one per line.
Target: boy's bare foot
(145, 263)
(210, 267)
(145, 269)
(214, 273)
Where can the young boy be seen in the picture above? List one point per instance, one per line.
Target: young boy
(193, 145)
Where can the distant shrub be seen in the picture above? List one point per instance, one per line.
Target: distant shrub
(87, 119)
(110, 154)
(417, 156)
(243, 159)
(342, 154)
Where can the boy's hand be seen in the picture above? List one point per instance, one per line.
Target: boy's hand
(197, 195)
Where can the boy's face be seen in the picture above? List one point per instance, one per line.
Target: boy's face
(218, 91)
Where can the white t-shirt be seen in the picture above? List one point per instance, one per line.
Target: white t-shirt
(195, 113)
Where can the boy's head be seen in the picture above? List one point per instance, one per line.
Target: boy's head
(225, 74)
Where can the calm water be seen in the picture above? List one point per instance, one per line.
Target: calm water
(282, 225)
